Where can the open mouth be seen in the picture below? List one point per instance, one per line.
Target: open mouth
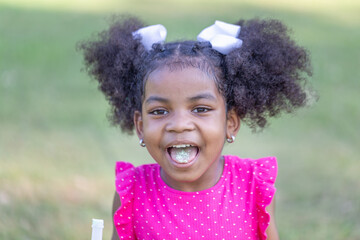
(183, 153)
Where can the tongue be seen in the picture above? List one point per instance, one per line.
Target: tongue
(183, 155)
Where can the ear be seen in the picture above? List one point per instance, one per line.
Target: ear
(138, 124)
(232, 124)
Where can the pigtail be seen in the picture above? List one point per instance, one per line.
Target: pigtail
(113, 60)
(266, 76)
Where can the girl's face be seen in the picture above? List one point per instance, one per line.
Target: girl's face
(184, 125)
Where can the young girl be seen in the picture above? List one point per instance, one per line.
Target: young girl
(185, 100)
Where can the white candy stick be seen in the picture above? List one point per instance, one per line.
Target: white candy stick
(97, 228)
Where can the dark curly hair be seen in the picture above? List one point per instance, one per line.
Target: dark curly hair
(261, 79)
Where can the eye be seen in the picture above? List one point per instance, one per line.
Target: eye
(201, 110)
(159, 112)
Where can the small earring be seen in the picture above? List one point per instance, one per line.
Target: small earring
(231, 140)
(142, 143)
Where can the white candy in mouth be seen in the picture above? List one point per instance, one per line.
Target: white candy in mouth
(183, 153)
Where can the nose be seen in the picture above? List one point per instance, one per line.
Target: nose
(180, 121)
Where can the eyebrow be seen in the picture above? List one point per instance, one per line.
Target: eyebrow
(207, 96)
(156, 99)
(190, 99)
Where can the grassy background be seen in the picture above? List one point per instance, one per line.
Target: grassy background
(57, 150)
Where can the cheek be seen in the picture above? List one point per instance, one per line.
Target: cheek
(216, 128)
(152, 129)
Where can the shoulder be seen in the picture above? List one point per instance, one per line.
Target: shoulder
(126, 169)
(267, 164)
(126, 173)
(259, 173)
(129, 178)
(262, 171)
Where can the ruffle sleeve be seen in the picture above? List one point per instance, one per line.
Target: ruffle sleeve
(265, 171)
(124, 183)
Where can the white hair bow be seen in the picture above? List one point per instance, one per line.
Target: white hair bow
(221, 35)
(150, 35)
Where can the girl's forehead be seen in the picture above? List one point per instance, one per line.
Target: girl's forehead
(173, 76)
(185, 65)
(179, 62)
(179, 82)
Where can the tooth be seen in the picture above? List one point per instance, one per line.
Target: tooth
(181, 146)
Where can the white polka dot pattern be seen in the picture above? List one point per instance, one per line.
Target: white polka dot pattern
(232, 209)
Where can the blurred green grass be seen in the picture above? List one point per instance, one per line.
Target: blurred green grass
(57, 150)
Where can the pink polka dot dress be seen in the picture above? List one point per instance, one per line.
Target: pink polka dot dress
(232, 209)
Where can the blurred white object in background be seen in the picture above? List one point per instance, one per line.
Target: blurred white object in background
(97, 229)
